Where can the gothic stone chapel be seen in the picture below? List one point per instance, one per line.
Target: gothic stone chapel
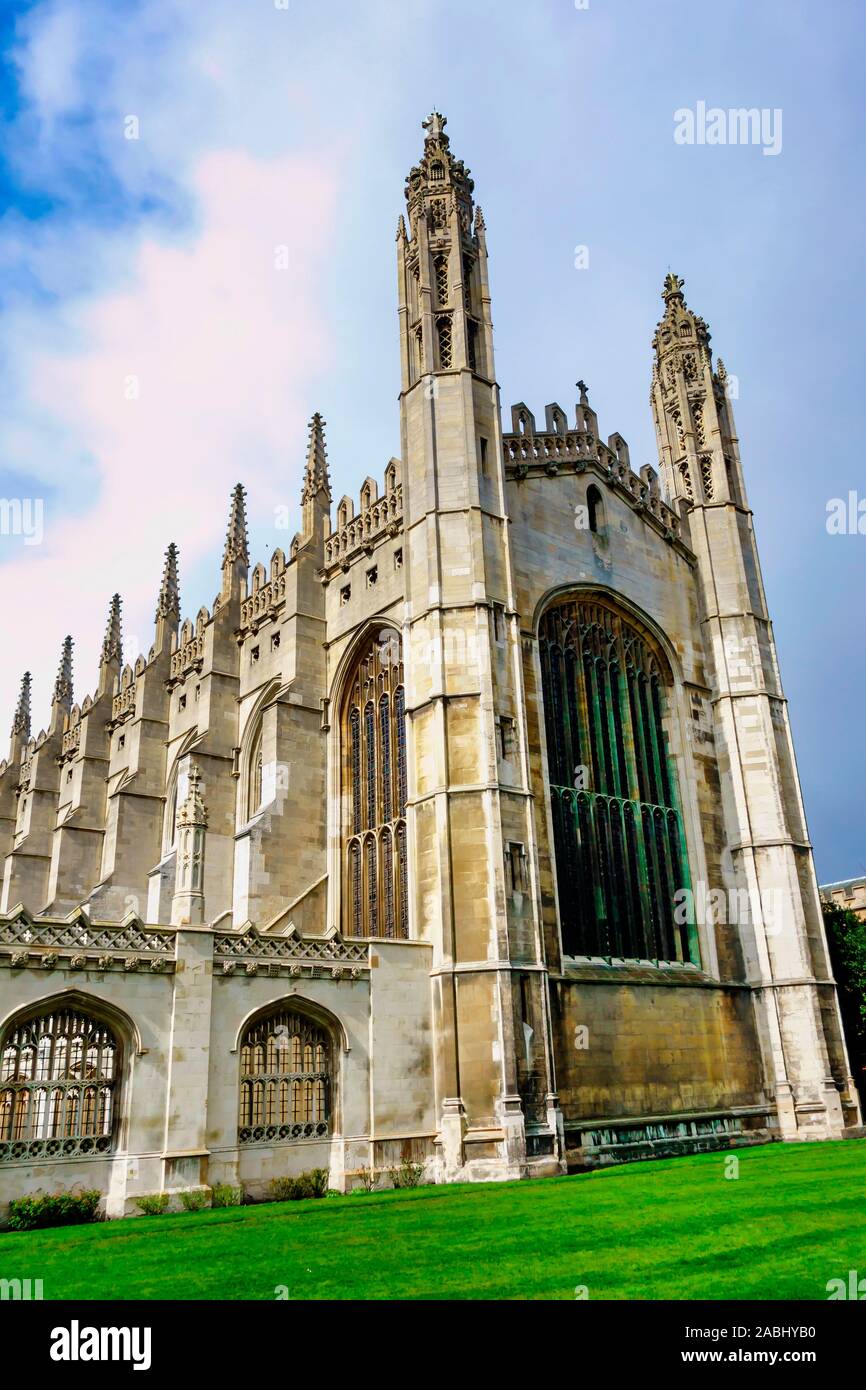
(402, 851)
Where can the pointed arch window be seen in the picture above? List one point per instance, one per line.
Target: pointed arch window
(58, 1077)
(440, 271)
(443, 333)
(595, 508)
(618, 834)
(286, 1080)
(255, 767)
(375, 787)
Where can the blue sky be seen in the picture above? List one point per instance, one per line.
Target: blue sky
(151, 355)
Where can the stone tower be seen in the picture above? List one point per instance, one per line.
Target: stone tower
(469, 807)
(767, 850)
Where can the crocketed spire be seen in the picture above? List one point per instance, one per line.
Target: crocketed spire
(236, 547)
(316, 477)
(21, 722)
(192, 810)
(168, 603)
(63, 684)
(112, 645)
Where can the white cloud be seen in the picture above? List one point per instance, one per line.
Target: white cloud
(223, 344)
(220, 343)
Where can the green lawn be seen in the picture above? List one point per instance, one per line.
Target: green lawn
(794, 1218)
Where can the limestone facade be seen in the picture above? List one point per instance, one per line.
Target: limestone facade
(302, 871)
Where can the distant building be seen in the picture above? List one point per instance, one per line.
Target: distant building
(849, 893)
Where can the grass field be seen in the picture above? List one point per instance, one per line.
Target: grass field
(793, 1219)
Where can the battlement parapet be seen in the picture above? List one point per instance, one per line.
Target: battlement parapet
(267, 595)
(189, 655)
(377, 516)
(526, 452)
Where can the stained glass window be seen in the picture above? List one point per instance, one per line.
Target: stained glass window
(374, 769)
(58, 1073)
(286, 1079)
(618, 832)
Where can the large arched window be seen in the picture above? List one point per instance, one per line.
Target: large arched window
(286, 1079)
(618, 833)
(374, 781)
(58, 1074)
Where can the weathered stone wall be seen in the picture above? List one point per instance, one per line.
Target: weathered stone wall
(180, 1027)
(647, 1045)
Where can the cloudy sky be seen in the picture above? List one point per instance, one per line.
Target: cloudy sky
(152, 353)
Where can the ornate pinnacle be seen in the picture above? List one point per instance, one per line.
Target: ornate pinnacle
(480, 224)
(21, 722)
(112, 648)
(435, 126)
(673, 288)
(316, 477)
(168, 604)
(236, 547)
(401, 228)
(63, 684)
(583, 388)
(192, 811)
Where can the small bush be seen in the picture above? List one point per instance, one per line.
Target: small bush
(61, 1209)
(367, 1180)
(407, 1175)
(313, 1183)
(318, 1180)
(224, 1195)
(154, 1204)
(194, 1200)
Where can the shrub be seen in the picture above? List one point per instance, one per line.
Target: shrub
(61, 1209)
(283, 1189)
(194, 1200)
(318, 1180)
(224, 1195)
(407, 1175)
(367, 1179)
(313, 1183)
(154, 1204)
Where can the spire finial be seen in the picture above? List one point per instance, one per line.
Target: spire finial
(112, 647)
(316, 477)
(673, 288)
(236, 547)
(63, 684)
(583, 388)
(435, 126)
(168, 603)
(21, 722)
(192, 810)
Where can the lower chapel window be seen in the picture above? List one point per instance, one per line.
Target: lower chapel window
(58, 1074)
(374, 782)
(285, 1079)
(618, 833)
